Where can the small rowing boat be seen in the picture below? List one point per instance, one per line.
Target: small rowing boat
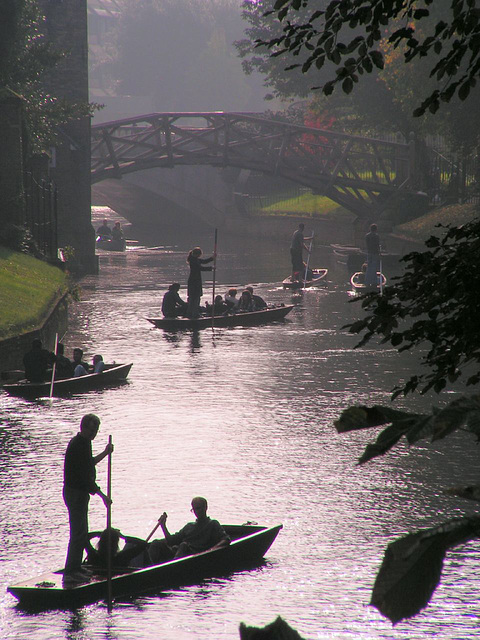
(111, 375)
(358, 281)
(317, 276)
(48, 591)
(111, 244)
(239, 319)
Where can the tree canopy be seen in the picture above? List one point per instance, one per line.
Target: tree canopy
(348, 34)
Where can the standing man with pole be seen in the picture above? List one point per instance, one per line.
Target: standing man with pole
(372, 243)
(79, 484)
(214, 275)
(296, 251)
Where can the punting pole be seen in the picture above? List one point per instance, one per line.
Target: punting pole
(308, 262)
(214, 275)
(53, 369)
(109, 528)
(381, 278)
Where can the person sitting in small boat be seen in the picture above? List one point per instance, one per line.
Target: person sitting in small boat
(63, 366)
(117, 232)
(231, 298)
(37, 362)
(104, 230)
(246, 303)
(220, 307)
(361, 275)
(194, 537)
(81, 368)
(257, 300)
(98, 364)
(98, 557)
(172, 304)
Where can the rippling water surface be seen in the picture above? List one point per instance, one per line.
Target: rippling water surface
(244, 417)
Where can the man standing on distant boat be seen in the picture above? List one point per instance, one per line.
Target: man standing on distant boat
(296, 250)
(372, 243)
(79, 484)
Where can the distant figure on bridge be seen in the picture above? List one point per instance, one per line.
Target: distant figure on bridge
(194, 288)
(104, 229)
(172, 304)
(117, 232)
(372, 243)
(296, 250)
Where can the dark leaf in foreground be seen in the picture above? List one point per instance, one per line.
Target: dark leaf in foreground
(412, 567)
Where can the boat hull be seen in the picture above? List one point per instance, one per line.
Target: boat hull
(249, 319)
(248, 547)
(319, 277)
(112, 374)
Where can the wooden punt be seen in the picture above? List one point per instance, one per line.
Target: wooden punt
(112, 374)
(248, 547)
(358, 281)
(110, 244)
(318, 276)
(246, 319)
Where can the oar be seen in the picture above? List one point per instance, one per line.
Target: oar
(153, 530)
(53, 369)
(214, 276)
(109, 528)
(308, 262)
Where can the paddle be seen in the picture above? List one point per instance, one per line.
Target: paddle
(109, 528)
(308, 262)
(50, 400)
(214, 276)
(153, 531)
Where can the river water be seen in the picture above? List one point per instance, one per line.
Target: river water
(243, 416)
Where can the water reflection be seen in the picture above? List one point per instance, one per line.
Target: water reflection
(243, 416)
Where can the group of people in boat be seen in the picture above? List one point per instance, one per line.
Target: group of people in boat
(106, 232)
(39, 362)
(80, 483)
(173, 306)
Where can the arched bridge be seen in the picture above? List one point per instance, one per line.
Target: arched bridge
(361, 174)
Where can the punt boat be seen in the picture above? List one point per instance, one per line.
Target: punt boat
(240, 319)
(318, 276)
(358, 281)
(107, 243)
(247, 549)
(111, 375)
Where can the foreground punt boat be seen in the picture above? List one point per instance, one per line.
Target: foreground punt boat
(358, 281)
(246, 319)
(248, 547)
(318, 276)
(112, 374)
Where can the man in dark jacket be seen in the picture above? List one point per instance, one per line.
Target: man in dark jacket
(37, 361)
(172, 304)
(79, 484)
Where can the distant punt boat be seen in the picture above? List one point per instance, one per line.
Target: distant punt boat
(246, 319)
(112, 374)
(358, 281)
(248, 547)
(318, 276)
(109, 244)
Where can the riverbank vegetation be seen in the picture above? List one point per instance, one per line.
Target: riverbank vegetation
(423, 227)
(29, 289)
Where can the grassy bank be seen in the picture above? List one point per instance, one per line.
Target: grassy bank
(306, 204)
(28, 290)
(422, 228)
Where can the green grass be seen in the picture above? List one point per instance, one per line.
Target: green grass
(306, 204)
(28, 288)
(423, 227)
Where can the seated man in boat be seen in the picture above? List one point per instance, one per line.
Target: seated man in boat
(194, 537)
(98, 364)
(117, 232)
(257, 300)
(81, 368)
(63, 366)
(172, 304)
(104, 229)
(37, 362)
(98, 557)
(231, 298)
(220, 307)
(246, 303)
